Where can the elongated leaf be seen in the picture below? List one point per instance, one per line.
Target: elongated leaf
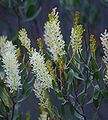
(34, 15)
(96, 92)
(73, 74)
(31, 10)
(26, 94)
(82, 98)
(96, 96)
(28, 116)
(105, 94)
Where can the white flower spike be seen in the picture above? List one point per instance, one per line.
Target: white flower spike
(104, 41)
(53, 37)
(23, 37)
(43, 78)
(11, 66)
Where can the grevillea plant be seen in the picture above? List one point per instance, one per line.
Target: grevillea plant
(69, 73)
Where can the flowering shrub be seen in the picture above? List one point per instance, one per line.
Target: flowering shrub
(69, 70)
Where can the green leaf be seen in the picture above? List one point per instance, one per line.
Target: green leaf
(10, 3)
(74, 68)
(70, 75)
(62, 110)
(105, 94)
(75, 3)
(19, 116)
(5, 3)
(59, 95)
(96, 103)
(68, 4)
(69, 87)
(16, 108)
(96, 75)
(96, 92)
(28, 116)
(56, 111)
(82, 98)
(73, 74)
(66, 75)
(26, 94)
(90, 101)
(61, 2)
(31, 10)
(54, 84)
(95, 14)
(94, 65)
(30, 18)
(90, 82)
(7, 109)
(69, 112)
(96, 96)
(104, 2)
(4, 95)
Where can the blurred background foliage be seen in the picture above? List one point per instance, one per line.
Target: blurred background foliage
(32, 14)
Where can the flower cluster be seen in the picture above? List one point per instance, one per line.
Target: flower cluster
(39, 90)
(43, 78)
(76, 36)
(50, 69)
(53, 37)
(23, 37)
(92, 45)
(104, 39)
(40, 45)
(11, 66)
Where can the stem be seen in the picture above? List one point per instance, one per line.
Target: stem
(70, 61)
(12, 118)
(60, 69)
(6, 117)
(69, 45)
(82, 58)
(83, 115)
(87, 77)
(13, 103)
(97, 110)
(76, 98)
(79, 113)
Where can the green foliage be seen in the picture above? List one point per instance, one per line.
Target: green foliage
(28, 10)
(104, 2)
(96, 96)
(28, 116)
(69, 3)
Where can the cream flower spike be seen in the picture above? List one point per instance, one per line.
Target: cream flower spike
(23, 37)
(104, 41)
(92, 45)
(76, 38)
(11, 66)
(40, 69)
(76, 35)
(53, 37)
(43, 78)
